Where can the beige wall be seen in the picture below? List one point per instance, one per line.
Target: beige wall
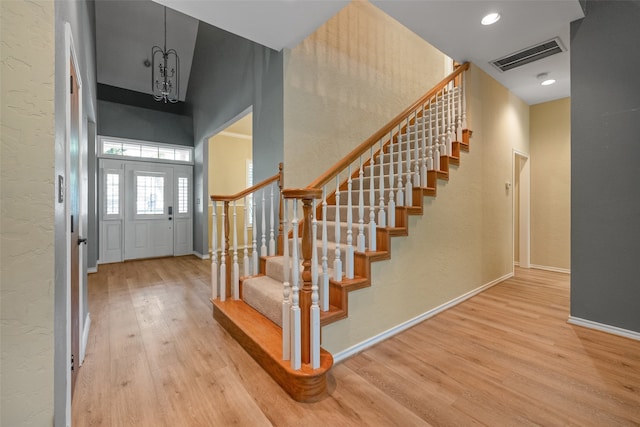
(26, 223)
(228, 175)
(345, 81)
(551, 184)
(228, 164)
(463, 241)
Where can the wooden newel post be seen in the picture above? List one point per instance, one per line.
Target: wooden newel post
(306, 195)
(305, 292)
(280, 213)
(225, 248)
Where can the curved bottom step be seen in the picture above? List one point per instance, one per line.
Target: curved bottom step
(262, 339)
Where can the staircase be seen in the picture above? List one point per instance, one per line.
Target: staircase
(347, 220)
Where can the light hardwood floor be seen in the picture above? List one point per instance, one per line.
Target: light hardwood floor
(506, 357)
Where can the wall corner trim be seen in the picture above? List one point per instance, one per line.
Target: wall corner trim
(549, 268)
(357, 348)
(201, 256)
(614, 330)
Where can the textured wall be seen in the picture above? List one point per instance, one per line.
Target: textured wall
(347, 80)
(605, 197)
(26, 219)
(464, 239)
(551, 184)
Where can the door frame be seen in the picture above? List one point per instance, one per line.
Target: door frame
(524, 235)
(71, 59)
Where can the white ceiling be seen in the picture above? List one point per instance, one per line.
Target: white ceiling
(126, 30)
(274, 23)
(454, 28)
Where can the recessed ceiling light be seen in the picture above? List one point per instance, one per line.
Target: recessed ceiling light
(491, 18)
(544, 80)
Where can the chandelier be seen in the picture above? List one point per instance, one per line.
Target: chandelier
(165, 79)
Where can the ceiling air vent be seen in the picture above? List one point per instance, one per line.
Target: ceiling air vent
(530, 54)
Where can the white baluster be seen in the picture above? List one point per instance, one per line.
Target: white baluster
(349, 250)
(408, 193)
(245, 241)
(450, 121)
(459, 113)
(382, 217)
(337, 262)
(436, 139)
(236, 267)
(464, 101)
(361, 241)
(295, 300)
(423, 146)
(400, 192)
(254, 242)
(372, 205)
(214, 252)
(272, 242)
(223, 257)
(314, 333)
(416, 153)
(286, 293)
(391, 206)
(430, 140)
(324, 290)
(263, 247)
(443, 128)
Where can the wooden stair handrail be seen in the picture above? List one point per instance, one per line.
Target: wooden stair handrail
(375, 138)
(230, 198)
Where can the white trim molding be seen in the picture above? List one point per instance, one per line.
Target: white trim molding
(85, 338)
(614, 330)
(549, 268)
(199, 255)
(353, 350)
(91, 270)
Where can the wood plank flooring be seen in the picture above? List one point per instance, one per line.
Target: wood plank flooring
(506, 357)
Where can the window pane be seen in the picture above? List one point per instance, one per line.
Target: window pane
(150, 152)
(112, 148)
(167, 153)
(183, 155)
(149, 195)
(113, 194)
(183, 195)
(132, 150)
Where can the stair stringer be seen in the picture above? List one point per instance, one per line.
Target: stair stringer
(351, 331)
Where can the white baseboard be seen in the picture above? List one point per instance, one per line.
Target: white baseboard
(85, 337)
(201, 256)
(516, 263)
(604, 328)
(91, 270)
(351, 351)
(548, 268)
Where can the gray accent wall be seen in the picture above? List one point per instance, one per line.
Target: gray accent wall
(127, 121)
(230, 75)
(605, 171)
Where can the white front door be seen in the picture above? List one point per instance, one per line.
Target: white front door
(149, 211)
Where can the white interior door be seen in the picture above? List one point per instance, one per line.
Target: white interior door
(149, 211)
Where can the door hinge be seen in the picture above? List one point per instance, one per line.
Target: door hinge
(71, 83)
(72, 360)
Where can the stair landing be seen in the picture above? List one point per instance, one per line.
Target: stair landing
(262, 339)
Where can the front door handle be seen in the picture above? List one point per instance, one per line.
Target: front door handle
(81, 241)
